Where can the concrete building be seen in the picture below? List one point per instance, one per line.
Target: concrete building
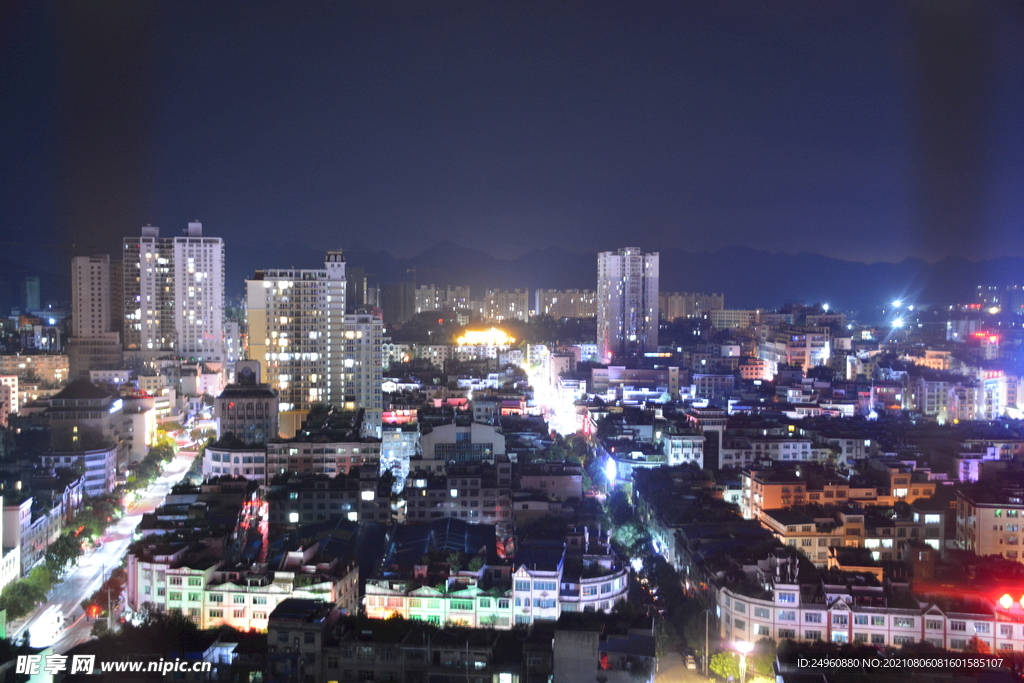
(10, 553)
(567, 303)
(213, 594)
(248, 409)
(400, 443)
(360, 496)
(49, 369)
(310, 350)
(90, 296)
(174, 294)
(990, 522)
(323, 456)
(627, 303)
(676, 305)
(733, 319)
(461, 444)
(682, 449)
(501, 304)
(8, 397)
(86, 425)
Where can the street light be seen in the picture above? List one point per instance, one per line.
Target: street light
(744, 648)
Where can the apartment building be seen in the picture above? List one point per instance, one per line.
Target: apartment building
(990, 521)
(361, 496)
(213, 594)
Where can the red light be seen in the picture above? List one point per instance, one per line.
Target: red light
(440, 321)
(231, 405)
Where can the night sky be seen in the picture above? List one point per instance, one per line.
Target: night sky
(860, 130)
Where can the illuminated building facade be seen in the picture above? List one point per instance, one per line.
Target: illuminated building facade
(502, 304)
(566, 303)
(174, 294)
(310, 350)
(331, 458)
(990, 522)
(627, 303)
(213, 594)
(675, 305)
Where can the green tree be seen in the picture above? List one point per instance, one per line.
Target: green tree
(762, 659)
(666, 639)
(694, 633)
(725, 665)
(61, 553)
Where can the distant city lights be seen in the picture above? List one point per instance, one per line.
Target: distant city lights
(491, 337)
(898, 322)
(897, 303)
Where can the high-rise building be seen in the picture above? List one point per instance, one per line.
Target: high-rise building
(174, 294)
(310, 350)
(355, 289)
(90, 296)
(94, 343)
(627, 303)
(30, 294)
(398, 302)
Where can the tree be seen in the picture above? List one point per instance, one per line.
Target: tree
(666, 639)
(694, 633)
(762, 659)
(725, 665)
(62, 552)
(978, 646)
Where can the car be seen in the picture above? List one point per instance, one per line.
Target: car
(691, 663)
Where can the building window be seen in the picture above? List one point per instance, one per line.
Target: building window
(904, 622)
(762, 613)
(840, 619)
(878, 639)
(787, 633)
(812, 635)
(812, 617)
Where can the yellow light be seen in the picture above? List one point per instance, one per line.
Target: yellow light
(491, 337)
(1006, 601)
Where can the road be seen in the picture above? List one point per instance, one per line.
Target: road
(60, 620)
(672, 669)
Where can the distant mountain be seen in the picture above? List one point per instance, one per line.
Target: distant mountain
(749, 278)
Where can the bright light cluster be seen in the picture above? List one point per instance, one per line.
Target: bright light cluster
(491, 337)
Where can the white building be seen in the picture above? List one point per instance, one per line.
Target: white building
(682, 449)
(310, 350)
(174, 294)
(627, 302)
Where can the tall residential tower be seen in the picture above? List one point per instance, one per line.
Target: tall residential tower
(311, 351)
(627, 303)
(174, 294)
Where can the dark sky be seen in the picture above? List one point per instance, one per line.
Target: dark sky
(861, 130)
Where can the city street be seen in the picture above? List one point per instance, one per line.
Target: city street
(60, 620)
(672, 669)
